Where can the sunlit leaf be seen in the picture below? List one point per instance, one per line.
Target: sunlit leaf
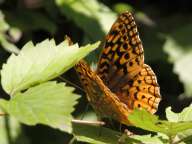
(122, 7)
(101, 135)
(48, 103)
(183, 116)
(93, 17)
(39, 63)
(147, 121)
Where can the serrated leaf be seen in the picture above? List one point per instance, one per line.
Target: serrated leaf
(179, 48)
(93, 17)
(183, 116)
(147, 121)
(48, 103)
(40, 63)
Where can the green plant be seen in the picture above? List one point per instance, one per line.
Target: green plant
(35, 99)
(30, 75)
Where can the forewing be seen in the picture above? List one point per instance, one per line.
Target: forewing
(122, 57)
(105, 102)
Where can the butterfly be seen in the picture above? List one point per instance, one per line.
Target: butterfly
(122, 81)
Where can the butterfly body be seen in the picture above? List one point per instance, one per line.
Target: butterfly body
(122, 80)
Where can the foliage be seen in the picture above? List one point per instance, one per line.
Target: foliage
(48, 103)
(33, 95)
(30, 69)
(168, 130)
(179, 50)
(15, 130)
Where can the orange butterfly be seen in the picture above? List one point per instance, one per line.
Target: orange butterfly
(122, 80)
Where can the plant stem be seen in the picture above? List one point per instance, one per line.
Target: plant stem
(7, 128)
(72, 140)
(171, 139)
(94, 123)
(182, 140)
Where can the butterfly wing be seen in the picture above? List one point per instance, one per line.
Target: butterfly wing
(122, 57)
(105, 102)
(143, 91)
(121, 66)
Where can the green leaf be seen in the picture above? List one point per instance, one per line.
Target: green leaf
(144, 139)
(95, 134)
(40, 63)
(147, 121)
(101, 135)
(183, 116)
(93, 17)
(3, 25)
(48, 103)
(27, 20)
(179, 48)
(122, 7)
(7, 45)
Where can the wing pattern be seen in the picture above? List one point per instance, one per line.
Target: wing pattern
(122, 80)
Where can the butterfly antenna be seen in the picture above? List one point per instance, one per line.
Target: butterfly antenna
(67, 81)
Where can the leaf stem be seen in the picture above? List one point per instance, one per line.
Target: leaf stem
(3, 114)
(182, 140)
(7, 128)
(93, 123)
(171, 139)
(72, 140)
